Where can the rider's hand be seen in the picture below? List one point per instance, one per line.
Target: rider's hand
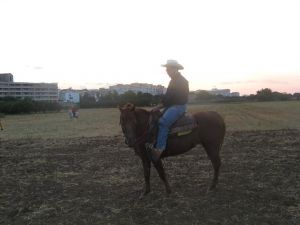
(157, 108)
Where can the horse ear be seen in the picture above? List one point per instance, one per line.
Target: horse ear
(130, 106)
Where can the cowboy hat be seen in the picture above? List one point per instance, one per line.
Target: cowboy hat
(173, 63)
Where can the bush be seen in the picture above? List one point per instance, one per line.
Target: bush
(17, 106)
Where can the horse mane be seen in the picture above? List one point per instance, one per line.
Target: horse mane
(140, 112)
(144, 111)
(130, 106)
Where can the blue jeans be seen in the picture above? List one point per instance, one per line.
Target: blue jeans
(169, 117)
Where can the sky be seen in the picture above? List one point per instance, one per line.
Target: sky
(241, 45)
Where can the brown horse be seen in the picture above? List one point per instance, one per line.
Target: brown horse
(210, 132)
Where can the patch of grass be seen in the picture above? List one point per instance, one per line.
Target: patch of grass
(92, 122)
(105, 122)
(257, 116)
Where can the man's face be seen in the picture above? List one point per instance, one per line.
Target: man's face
(171, 71)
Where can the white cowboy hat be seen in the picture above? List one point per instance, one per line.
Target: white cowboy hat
(173, 63)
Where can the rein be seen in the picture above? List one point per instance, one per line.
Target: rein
(144, 134)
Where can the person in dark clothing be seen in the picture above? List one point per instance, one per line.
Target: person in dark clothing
(174, 101)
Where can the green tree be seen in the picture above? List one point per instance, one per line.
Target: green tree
(87, 101)
(297, 96)
(128, 96)
(264, 94)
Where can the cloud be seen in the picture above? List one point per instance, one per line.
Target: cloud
(84, 85)
(238, 82)
(38, 67)
(269, 81)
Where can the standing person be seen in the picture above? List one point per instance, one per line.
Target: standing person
(77, 113)
(174, 102)
(70, 113)
(74, 111)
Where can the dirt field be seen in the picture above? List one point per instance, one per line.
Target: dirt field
(97, 180)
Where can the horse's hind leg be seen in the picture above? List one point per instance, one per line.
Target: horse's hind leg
(161, 172)
(213, 153)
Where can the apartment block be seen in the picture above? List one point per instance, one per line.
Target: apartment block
(34, 91)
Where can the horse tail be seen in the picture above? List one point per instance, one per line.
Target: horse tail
(213, 121)
(224, 132)
(224, 126)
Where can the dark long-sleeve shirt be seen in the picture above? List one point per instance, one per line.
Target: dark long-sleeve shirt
(177, 92)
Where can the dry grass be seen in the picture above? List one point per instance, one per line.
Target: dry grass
(105, 122)
(257, 116)
(92, 122)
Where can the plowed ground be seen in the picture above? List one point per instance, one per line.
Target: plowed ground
(98, 181)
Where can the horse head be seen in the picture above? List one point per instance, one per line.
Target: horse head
(137, 124)
(128, 122)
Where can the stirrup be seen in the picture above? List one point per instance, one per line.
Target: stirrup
(149, 146)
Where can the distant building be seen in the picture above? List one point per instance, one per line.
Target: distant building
(6, 77)
(138, 87)
(34, 91)
(103, 91)
(94, 93)
(69, 96)
(234, 94)
(223, 92)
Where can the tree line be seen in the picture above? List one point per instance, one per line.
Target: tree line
(11, 105)
(265, 94)
(113, 99)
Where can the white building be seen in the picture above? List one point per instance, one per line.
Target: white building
(69, 96)
(94, 93)
(223, 92)
(34, 91)
(138, 87)
(234, 94)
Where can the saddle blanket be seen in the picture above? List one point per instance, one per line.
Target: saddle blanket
(184, 125)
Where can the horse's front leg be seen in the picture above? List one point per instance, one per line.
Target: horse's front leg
(161, 171)
(147, 168)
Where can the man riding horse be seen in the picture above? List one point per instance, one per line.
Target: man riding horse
(204, 127)
(174, 102)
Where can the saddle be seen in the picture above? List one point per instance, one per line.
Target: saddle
(184, 125)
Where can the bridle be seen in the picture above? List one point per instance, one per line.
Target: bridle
(142, 137)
